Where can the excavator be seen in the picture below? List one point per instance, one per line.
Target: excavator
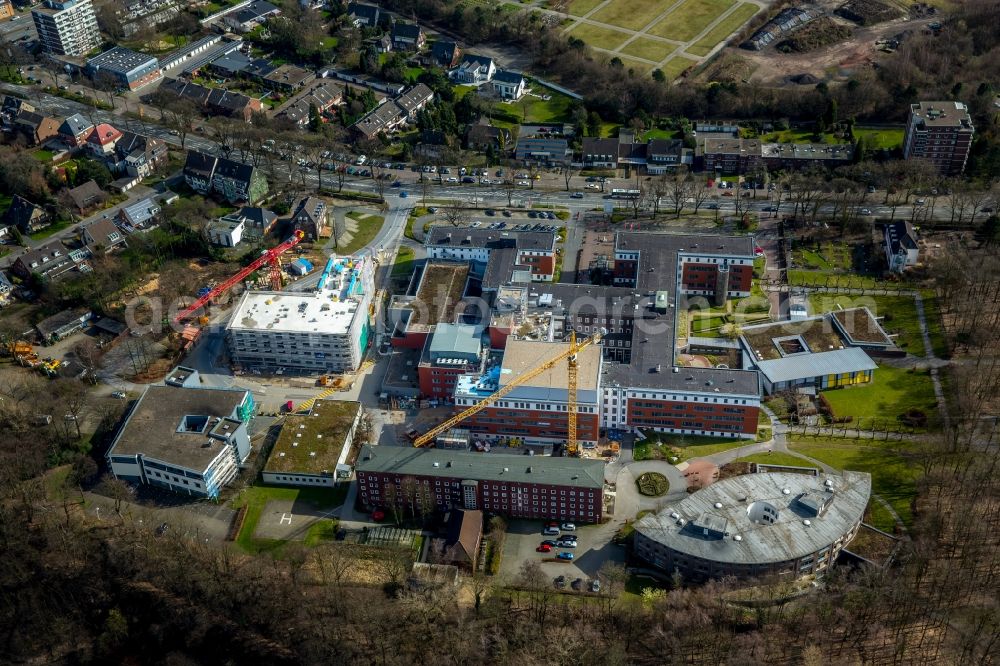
(569, 355)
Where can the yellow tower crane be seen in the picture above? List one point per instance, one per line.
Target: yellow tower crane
(568, 355)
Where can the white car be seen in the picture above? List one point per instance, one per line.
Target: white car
(866, 211)
(593, 186)
(451, 179)
(523, 183)
(477, 224)
(361, 160)
(119, 395)
(569, 527)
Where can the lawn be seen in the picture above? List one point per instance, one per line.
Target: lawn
(368, 227)
(598, 37)
(677, 66)
(42, 155)
(631, 14)
(797, 135)
(894, 477)
(53, 228)
(404, 262)
(256, 498)
(777, 458)
(892, 392)
(703, 324)
(899, 315)
(723, 30)
(659, 446)
(828, 256)
(935, 327)
(650, 49)
(581, 7)
(687, 21)
(881, 138)
(659, 134)
(555, 109)
(804, 278)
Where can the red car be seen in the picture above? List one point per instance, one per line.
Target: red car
(544, 548)
(552, 523)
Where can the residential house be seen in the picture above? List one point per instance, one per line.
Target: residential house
(901, 248)
(102, 140)
(49, 261)
(407, 36)
(75, 129)
(663, 155)
(509, 85)
(102, 235)
(287, 78)
(313, 217)
(198, 170)
(655, 155)
(378, 45)
(249, 17)
(231, 180)
(141, 215)
(62, 325)
(463, 536)
(6, 10)
(257, 221)
(215, 101)
(6, 289)
(363, 15)
(227, 231)
(35, 127)
(86, 195)
(445, 54)
(734, 156)
(389, 116)
(138, 155)
(474, 69)
(480, 135)
(26, 216)
(323, 94)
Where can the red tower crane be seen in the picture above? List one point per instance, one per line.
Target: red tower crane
(269, 257)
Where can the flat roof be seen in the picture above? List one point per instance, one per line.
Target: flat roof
(328, 311)
(763, 341)
(152, 427)
(521, 356)
(839, 361)
(449, 236)
(942, 114)
(442, 285)
(859, 326)
(312, 443)
(732, 504)
(122, 60)
(569, 472)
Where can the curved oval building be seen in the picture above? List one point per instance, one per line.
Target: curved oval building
(756, 525)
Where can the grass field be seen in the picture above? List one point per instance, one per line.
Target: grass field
(631, 14)
(830, 256)
(55, 227)
(368, 227)
(662, 446)
(892, 392)
(581, 7)
(777, 458)
(554, 109)
(728, 26)
(640, 66)
(686, 21)
(404, 262)
(894, 476)
(932, 312)
(601, 38)
(256, 498)
(648, 48)
(880, 138)
(676, 66)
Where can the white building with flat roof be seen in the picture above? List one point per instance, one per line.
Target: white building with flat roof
(325, 330)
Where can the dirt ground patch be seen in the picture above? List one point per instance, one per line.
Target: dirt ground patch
(701, 473)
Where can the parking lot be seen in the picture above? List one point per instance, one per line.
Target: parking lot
(593, 549)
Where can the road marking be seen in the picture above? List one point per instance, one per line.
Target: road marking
(286, 519)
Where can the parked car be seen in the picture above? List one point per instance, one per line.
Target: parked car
(120, 395)
(569, 527)
(568, 537)
(544, 548)
(432, 209)
(566, 544)
(560, 582)
(468, 179)
(551, 531)
(549, 542)
(477, 224)
(577, 583)
(490, 212)
(565, 556)
(506, 213)
(595, 585)
(403, 194)
(866, 211)
(576, 195)
(361, 160)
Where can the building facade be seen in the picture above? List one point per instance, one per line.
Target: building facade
(941, 133)
(753, 526)
(323, 331)
(184, 438)
(67, 27)
(437, 480)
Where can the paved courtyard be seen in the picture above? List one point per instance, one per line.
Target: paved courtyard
(593, 550)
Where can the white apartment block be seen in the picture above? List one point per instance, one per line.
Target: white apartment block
(67, 27)
(326, 330)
